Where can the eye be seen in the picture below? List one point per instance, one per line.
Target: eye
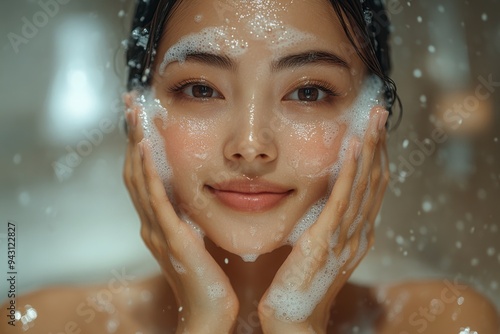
(308, 94)
(198, 91)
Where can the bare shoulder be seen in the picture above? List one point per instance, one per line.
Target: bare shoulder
(443, 306)
(140, 306)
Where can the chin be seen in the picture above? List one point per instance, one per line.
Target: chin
(249, 242)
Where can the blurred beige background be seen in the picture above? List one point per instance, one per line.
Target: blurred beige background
(60, 85)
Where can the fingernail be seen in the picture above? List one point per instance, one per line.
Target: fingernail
(383, 115)
(141, 149)
(357, 150)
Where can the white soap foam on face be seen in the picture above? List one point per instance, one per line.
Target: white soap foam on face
(250, 257)
(289, 303)
(214, 40)
(357, 119)
(150, 110)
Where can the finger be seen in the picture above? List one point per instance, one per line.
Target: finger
(363, 237)
(361, 196)
(158, 199)
(338, 202)
(383, 180)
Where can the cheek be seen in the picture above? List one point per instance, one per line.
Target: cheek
(313, 149)
(188, 144)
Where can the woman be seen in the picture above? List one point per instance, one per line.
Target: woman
(256, 161)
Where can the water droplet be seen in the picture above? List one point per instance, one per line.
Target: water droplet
(481, 194)
(390, 234)
(458, 244)
(24, 198)
(423, 98)
(121, 13)
(431, 48)
(17, 159)
(474, 262)
(427, 206)
(491, 251)
(419, 19)
(400, 240)
(406, 142)
(417, 73)
(441, 9)
(226, 260)
(460, 300)
(484, 17)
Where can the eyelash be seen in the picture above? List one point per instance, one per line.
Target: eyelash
(328, 89)
(325, 87)
(177, 89)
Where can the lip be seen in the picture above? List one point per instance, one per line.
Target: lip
(250, 196)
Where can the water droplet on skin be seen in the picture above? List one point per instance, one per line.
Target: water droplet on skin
(406, 142)
(226, 260)
(460, 301)
(484, 17)
(417, 73)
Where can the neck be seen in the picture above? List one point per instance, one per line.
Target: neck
(250, 280)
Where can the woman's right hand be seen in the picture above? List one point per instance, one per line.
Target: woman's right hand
(207, 302)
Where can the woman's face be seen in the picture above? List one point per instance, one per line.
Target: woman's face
(255, 93)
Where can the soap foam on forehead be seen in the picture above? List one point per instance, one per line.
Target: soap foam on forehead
(213, 40)
(222, 40)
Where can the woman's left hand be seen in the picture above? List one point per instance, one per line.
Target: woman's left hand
(324, 257)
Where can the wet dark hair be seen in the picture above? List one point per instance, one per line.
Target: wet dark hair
(369, 34)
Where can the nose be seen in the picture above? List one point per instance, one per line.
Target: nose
(252, 138)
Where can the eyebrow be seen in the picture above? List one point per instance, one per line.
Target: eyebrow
(308, 58)
(290, 61)
(220, 61)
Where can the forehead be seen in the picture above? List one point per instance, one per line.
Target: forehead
(255, 19)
